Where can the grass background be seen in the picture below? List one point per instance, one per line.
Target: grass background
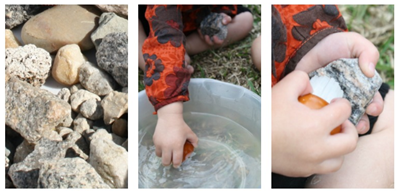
(233, 63)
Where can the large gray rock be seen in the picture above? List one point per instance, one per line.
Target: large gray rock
(212, 25)
(69, 173)
(28, 63)
(109, 23)
(357, 88)
(61, 25)
(31, 111)
(109, 159)
(18, 14)
(112, 56)
(25, 174)
(96, 80)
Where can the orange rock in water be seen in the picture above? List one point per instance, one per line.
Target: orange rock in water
(187, 150)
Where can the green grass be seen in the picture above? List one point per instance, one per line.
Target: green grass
(376, 23)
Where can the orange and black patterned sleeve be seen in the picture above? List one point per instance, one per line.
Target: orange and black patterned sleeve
(296, 29)
(166, 79)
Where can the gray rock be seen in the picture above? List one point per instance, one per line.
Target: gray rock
(212, 25)
(69, 173)
(81, 96)
(357, 88)
(112, 56)
(125, 145)
(25, 174)
(22, 151)
(114, 105)
(18, 14)
(81, 124)
(121, 10)
(75, 88)
(109, 159)
(91, 109)
(96, 80)
(109, 23)
(28, 63)
(64, 94)
(31, 111)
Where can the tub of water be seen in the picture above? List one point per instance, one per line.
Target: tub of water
(227, 120)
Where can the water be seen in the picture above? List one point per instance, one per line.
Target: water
(227, 156)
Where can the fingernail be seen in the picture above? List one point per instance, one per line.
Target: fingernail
(372, 68)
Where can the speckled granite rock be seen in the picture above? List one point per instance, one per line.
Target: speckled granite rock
(121, 10)
(109, 23)
(25, 174)
(212, 25)
(31, 111)
(28, 63)
(357, 88)
(69, 173)
(96, 80)
(17, 14)
(112, 56)
(57, 27)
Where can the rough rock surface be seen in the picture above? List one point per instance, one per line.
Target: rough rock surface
(64, 94)
(25, 174)
(69, 173)
(120, 127)
(91, 109)
(11, 40)
(109, 159)
(112, 56)
(81, 96)
(114, 105)
(357, 88)
(52, 28)
(17, 14)
(96, 80)
(66, 64)
(28, 63)
(121, 10)
(109, 23)
(31, 111)
(212, 25)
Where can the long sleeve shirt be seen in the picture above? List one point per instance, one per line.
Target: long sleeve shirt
(296, 29)
(166, 77)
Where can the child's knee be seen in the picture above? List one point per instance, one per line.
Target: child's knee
(386, 118)
(256, 52)
(246, 19)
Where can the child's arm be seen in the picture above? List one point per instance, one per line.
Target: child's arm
(166, 80)
(171, 134)
(301, 140)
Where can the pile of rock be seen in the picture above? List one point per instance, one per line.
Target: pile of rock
(77, 138)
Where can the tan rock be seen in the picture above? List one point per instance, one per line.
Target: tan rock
(66, 64)
(115, 104)
(11, 40)
(61, 25)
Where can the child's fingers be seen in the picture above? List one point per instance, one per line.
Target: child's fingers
(342, 143)
(208, 40)
(365, 51)
(335, 113)
(375, 108)
(295, 84)
(177, 157)
(363, 125)
(217, 41)
(193, 139)
(166, 157)
(158, 151)
(226, 20)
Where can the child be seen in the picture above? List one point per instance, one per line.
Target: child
(305, 38)
(172, 35)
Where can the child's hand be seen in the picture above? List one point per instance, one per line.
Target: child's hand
(215, 40)
(171, 134)
(346, 45)
(301, 140)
